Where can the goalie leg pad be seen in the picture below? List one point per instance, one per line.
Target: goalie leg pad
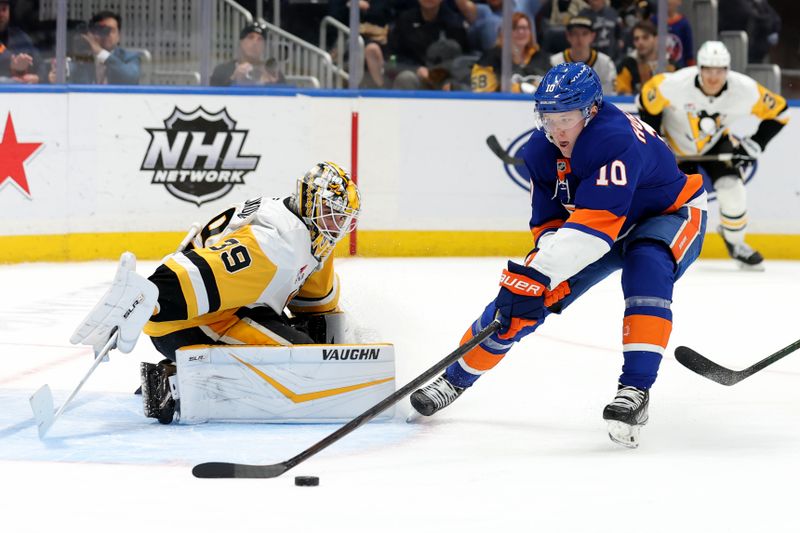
(159, 390)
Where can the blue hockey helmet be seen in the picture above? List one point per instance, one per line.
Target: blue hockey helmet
(569, 86)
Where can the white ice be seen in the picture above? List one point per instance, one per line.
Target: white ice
(524, 450)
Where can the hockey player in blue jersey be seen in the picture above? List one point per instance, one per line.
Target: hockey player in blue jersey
(607, 195)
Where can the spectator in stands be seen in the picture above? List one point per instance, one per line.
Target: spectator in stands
(527, 60)
(756, 17)
(409, 39)
(607, 25)
(374, 20)
(636, 69)
(486, 19)
(580, 35)
(250, 68)
(632, 12)
(559, 12)
(102, 61)
(680, 43)
(19, 59)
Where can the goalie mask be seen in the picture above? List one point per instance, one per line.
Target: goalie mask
(328, 201)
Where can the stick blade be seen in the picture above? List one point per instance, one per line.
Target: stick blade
(43, 409)
(218, 470)
(706, 367)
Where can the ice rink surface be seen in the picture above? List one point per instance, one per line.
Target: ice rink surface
(524, 450)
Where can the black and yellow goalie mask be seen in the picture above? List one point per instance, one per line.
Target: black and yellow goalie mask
(329, 203)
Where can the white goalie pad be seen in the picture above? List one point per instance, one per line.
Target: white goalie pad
(283, 384)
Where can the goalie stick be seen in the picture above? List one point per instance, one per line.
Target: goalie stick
(235, 470)
(42, 399)
(508, 159)
(725, 376)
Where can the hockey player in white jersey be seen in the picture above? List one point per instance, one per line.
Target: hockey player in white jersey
(233, 280)
(693, 109)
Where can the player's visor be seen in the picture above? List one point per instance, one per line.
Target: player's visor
(566, 120)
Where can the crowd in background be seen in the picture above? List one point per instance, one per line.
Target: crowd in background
(416, 44)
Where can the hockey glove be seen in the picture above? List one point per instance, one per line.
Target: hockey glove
(126, 305)
(520, 302)
(746, 152)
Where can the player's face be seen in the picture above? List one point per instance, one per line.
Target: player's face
(564, 128)
(713, 79)
(334, 223)
(5, 16)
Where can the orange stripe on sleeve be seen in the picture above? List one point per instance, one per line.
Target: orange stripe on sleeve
(646, 329)
(694, 182)
(478, 358)
(538, 230)
(598, 219)
(688, 233)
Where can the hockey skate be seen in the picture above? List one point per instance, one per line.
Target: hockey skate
(744, 255)
(435, 396)
(626, 414)
(158, 391)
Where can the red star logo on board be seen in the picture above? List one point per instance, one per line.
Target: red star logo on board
(12, 156)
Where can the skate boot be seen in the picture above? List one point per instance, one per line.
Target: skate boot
(626, 414)
(744, 255)
(436, 395)
(159, 391)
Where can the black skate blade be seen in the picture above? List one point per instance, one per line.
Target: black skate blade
(233, 470)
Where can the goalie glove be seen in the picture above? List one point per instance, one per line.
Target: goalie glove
(746, 152)
(126, 305)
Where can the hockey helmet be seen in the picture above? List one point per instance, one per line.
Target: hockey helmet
(329, 203)
(713, 54)
(566, 87)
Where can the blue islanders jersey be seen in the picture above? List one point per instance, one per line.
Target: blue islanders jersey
(620, 173)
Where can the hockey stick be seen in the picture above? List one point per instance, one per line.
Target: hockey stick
(42, 399)
(234, 470)
(724, 376)
(709, 158)
(508, 159)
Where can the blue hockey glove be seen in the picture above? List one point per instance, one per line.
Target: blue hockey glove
(520, 302)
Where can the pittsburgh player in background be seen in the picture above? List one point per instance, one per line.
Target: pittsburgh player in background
(693, 109)
(606, 195)
(234, 279)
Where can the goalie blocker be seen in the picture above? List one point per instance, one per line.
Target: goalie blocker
(283, 384)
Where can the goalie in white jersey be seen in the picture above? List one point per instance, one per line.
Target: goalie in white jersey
(693, 108)
(232, 281)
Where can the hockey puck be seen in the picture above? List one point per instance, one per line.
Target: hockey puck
(306, 481)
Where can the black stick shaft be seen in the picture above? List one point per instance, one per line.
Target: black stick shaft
(780, 354)
(392, 399)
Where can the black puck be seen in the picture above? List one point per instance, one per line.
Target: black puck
(306, 481)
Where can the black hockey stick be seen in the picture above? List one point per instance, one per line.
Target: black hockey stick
(713, 157)
(508, 159)
(234, 470)
(711, 370)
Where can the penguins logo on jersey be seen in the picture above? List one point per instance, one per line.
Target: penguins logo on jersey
(197, 155)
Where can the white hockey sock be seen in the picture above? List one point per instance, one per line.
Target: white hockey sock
(732, 198)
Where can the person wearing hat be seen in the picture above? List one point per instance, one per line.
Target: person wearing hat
(19, 59)
(250, 68)
(581, 35)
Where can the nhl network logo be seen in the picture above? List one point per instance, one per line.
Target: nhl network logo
(197, 155)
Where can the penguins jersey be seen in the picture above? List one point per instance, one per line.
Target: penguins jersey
(255, 253)
(620, 173)
(693, 122)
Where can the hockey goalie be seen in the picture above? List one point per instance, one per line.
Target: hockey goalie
(246, 314)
